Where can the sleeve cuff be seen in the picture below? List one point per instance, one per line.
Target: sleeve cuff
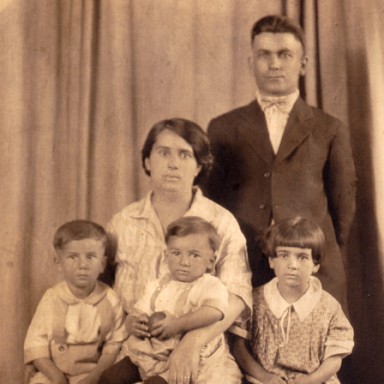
(338, 347)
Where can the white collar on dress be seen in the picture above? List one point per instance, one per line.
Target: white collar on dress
(303, 307)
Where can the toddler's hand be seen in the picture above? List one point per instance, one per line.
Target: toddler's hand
(166, 327)
(137, 325)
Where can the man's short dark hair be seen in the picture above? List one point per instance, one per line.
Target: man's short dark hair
(278, 24)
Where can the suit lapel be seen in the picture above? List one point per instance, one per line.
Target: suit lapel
(255, 132)
(296, 131)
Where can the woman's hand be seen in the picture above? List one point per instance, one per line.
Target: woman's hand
(137, 325)
(165, 327)
(183, 362)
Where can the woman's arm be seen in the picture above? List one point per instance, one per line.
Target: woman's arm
(251, 366)
(184, 360)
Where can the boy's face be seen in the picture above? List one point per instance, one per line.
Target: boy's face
(293, 267)
(189, 256)
(81, 262)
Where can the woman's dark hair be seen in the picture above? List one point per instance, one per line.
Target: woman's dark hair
(295, 232)
(278, 24)
(192, 134)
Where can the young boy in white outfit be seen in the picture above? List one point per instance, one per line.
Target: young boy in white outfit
(78, 326)
(184, 299)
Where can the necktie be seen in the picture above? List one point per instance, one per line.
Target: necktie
(280, 103)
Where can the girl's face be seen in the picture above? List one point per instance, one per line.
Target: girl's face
(172, 163)
(293, 267)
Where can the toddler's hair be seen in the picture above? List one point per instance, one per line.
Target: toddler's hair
(189, 225)
(78, 230)
(295, 232)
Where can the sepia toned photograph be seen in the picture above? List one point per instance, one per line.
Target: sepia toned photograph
(192, 191)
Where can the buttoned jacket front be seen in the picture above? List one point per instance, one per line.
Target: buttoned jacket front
(312, 174)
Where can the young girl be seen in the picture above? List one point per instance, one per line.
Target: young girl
(299, 333)
(185, 298)
(77, 330)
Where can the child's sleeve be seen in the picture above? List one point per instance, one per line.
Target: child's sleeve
(340, 335)
(213, 293)
(118, 332)
(36, 343)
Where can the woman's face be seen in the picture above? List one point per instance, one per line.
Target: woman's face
(172, 163)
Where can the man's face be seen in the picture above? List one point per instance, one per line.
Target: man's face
(277, 63)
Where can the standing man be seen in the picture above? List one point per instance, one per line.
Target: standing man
(278, 157)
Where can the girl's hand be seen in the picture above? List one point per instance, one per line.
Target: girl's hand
(137, 325)
(271, 378)
(302, 379)
(166, 327)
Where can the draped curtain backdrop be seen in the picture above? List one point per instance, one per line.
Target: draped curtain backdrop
(82, 82)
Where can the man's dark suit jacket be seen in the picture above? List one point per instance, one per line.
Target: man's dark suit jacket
(312, 175)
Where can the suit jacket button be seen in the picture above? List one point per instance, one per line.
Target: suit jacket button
(267, 174)
(262, 206)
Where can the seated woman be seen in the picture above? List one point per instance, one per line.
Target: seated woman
(176, 156)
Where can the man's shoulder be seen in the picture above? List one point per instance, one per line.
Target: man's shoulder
(235, 114)
(310, 111)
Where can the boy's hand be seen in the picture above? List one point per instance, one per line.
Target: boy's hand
(137, 325)
(166, 327)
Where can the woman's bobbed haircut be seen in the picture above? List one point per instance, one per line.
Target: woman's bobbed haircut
(295, 232)
(192, 134)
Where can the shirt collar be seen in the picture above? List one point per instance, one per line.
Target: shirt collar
(303, 307)
(93, 298)
(198, 207)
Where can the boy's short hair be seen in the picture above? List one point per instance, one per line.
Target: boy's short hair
(78, 230)
(278, 24)
(189, 225)
(192, 133)
(295, 232)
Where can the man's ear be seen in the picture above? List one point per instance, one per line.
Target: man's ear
(250, 65)
(303, 62)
